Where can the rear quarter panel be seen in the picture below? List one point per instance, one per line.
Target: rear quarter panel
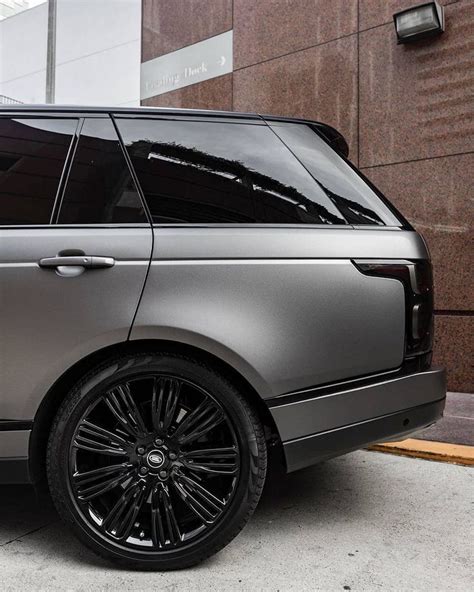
(284, 306)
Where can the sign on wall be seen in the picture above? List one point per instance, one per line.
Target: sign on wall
(195, 63)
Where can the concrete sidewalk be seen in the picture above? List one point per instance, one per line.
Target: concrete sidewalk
(365, 521)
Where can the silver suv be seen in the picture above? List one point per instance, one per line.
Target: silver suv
(181, 291)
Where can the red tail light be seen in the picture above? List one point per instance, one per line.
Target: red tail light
(417, 279)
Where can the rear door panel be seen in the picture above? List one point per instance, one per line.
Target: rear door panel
(52, 318)
(49, 322)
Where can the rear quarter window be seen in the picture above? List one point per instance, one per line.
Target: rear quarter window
(357, 202)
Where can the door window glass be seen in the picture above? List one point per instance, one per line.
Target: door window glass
(220, 172)
(100, 188)
(32, 156)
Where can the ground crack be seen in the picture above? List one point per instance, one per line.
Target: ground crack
(26, 534)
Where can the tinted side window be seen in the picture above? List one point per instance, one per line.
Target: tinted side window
(218, 172)
(100, 188)
(32, 156)
(356, 201)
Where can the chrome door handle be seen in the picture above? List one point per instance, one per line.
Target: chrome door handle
(87, 261)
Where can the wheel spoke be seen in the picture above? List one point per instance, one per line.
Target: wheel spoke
(157, 527)
(220, 461)
(121, 518)
(194, 504)
(204, 503)
(120, 402)
(173, 528)
(164, 527)
(119, 487)
(199, 422)
(94, 438)
(157, 402)
(91, 484)
(165, 399)
(171, 403)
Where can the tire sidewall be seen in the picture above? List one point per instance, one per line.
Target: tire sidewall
(102, 379)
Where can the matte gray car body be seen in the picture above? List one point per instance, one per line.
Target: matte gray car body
(285, 307)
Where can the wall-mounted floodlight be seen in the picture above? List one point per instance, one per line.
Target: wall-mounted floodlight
(419, 22)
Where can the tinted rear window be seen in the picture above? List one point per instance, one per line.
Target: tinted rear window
(32, 156)
(354, 199)
(220, 172)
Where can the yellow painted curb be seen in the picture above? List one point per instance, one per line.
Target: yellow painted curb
(441, 451)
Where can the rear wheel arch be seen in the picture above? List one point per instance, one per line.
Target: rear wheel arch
(52, 400)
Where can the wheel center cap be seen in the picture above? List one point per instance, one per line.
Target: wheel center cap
(155, 459)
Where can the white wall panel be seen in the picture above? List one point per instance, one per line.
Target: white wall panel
(109, 77)
(27, 89)
(23, 40)
(98, 51)
(90, 26)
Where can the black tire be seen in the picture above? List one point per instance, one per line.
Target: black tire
(217, 485)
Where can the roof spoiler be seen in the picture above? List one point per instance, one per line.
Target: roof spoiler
(334, 138)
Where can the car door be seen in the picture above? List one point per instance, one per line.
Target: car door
(75, 246)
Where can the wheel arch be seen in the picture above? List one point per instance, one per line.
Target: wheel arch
(52, 400)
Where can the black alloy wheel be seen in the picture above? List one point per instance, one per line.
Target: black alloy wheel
(156, 460)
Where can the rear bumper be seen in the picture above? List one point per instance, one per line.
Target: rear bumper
(325, 425)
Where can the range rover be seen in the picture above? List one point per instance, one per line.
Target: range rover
(182, 291)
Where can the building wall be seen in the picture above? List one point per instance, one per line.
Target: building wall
(98, 52)
(23, 65)
(406, 111)
(98, 46)
(10, 7)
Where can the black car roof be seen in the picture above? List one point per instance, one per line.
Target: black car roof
(333, 136)
(122, 110)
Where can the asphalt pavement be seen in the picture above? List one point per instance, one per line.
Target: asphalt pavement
(366, 521)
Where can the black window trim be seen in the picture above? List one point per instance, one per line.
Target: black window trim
(251, 225)
(66, 173)
(275, 225)
(132, 171)
(198, 118)
(202, 225)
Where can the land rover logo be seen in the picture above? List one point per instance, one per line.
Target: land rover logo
(155, 459)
